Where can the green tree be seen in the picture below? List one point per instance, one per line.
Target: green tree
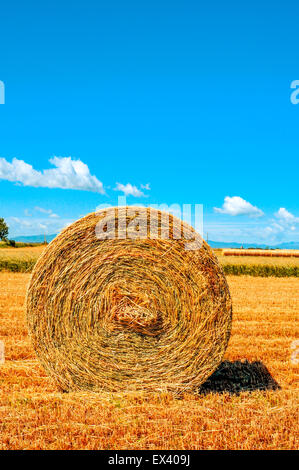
(3, 229)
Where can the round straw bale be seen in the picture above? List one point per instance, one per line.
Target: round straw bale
(129, 299)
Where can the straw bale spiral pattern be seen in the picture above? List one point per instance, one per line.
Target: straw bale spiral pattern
(128, 313)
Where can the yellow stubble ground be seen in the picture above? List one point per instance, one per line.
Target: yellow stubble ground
(35, 415)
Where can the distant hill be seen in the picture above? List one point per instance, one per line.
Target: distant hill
(281, 246)
(289, 246)
(35, 238)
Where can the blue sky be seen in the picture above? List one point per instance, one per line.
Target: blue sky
(192, 98)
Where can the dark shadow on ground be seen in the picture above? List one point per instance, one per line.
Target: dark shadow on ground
(239, 376)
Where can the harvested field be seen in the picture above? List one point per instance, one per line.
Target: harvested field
(244, 405)
(258, 260)
(22, 252)
(19, 259)
(263, 270)
(264, 253)
(259, 265)
(24, 259)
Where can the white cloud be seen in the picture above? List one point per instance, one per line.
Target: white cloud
(21, 222)
(42, 210)
(284, 226)
(129, 190)
(286, 216)
(49, 212)
(19, 226)
(145, 186)
(238, 206)
(68, 174)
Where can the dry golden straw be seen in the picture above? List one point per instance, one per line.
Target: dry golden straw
(257, 252)
(136, 312)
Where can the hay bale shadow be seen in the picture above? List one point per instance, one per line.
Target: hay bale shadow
(239, 376)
